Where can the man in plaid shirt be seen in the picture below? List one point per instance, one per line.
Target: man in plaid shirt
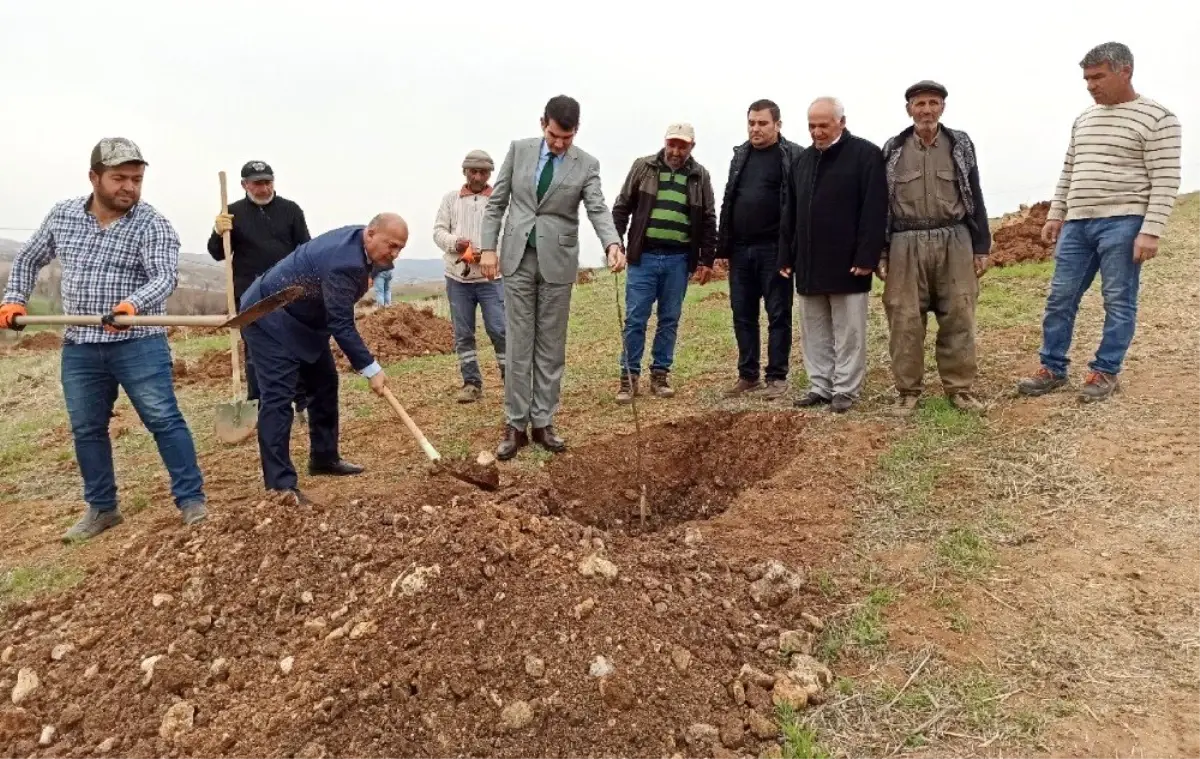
(119, 256)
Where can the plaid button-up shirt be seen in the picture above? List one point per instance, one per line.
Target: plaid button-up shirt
(136, 259)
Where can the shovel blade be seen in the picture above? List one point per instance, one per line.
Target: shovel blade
(236, 421)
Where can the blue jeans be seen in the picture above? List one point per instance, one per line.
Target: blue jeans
(662, 277)
(91, 375)
(1085, 247)
(464, 297)
(383, 288)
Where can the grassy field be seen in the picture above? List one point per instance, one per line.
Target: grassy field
(1021, 581)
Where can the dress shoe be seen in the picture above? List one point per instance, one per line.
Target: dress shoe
(513, 441)
(339, 468)
(547, 438)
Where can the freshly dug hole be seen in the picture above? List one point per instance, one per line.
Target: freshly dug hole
(693, 468)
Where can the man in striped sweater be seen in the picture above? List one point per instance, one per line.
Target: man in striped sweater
(668, 204)
(457, 232)
(1118, 185)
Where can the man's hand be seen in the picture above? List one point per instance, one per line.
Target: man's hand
(124, 308)
(785, 272)
(881, 270)
(7, 312)
(1145, 247)
(224, 223)
(461, 245)
(982, 264)
(616, 258)
(489, 264)
(1050, 231)
(703, 275)
(860, 271)
(378, 383)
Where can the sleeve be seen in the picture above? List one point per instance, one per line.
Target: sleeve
(339, 289)
(708, 242)
(597, 208)
(981, 235)
(623, 206)
(872, 215)
(37, 251)
(785, 257)
(300, 234)
(493, 216)
(443, 236)
(160, 258)
(1058, 204)
(216, 248)
(1162, 156)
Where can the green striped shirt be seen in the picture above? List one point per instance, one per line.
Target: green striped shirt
(670, 224)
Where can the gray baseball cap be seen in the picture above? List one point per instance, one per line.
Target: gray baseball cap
(114, 151)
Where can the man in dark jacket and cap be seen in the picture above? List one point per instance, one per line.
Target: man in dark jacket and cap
(836, 227)
(938, 245)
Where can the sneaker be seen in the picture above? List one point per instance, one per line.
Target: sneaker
(194, 513)
(906, 405)
(91, 524)
(776, 388)
(469, 393)
(809, 400)
(660, 386)
(628, 388)
(744, 386)
(841, 403)
(1098, 386)
(1042, 382)
(965, 401)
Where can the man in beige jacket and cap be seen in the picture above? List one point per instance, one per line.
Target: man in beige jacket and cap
(457, 233)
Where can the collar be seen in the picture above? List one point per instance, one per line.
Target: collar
(545, 151)
(937, 138)
(465, 191)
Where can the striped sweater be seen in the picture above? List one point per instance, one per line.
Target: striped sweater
(461, 215)
(1122, 160)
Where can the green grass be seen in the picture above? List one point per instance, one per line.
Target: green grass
(963, 550)
(799, 740)
(910, 468)
(20, 583)
(864, 629)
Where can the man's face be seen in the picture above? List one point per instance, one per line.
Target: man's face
(259, 190)
(119, 187)
(1105, 85)
(477, 179)
(763, 128)
(676, 152)
(925, 109)
(824, 126)
(384, 242)
(557, 138)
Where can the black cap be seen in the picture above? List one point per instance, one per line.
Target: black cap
(256, 170)
(925, 85)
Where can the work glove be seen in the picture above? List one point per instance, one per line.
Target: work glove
(224, 223)
(7, 312)
(124, 308)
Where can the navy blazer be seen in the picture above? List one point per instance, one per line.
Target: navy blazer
(333, 268)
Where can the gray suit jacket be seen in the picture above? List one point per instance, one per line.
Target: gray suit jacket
(556, 218)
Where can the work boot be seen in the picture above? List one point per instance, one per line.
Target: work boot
(193, 513)
(841, 403)
(810, 399)
(469, 393)
(628, 388)
(1043, 381)
(547, 438)
(1098, 386)
(513, 441)
(660, 386)
(339, 468)
(964, 401)
(92, 523)
(905, 405)
(744, 386)
(775, 388)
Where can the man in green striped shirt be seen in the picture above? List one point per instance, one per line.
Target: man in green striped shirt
(668, 205)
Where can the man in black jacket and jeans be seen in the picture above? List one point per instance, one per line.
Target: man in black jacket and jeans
(756, 193)
(837, 227)
(264, 228)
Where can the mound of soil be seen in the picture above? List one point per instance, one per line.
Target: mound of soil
(720, 270)
(585, 277)
(401, 331)
(430, 619)
(213, 367)
(1018, 237)
(38, 341)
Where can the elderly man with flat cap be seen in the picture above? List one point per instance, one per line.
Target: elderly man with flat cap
(458, 232)
(938, 244)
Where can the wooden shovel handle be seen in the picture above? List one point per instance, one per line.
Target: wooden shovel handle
(230, 302)
(429, 450)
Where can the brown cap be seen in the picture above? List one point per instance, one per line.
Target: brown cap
(114, 151)
(925, 85)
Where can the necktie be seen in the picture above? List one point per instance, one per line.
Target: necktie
(543, 184)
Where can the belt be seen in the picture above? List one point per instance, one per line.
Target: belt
(923, 225)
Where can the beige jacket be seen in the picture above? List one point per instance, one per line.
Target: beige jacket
(461, 215)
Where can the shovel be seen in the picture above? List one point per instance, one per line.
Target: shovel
(204, 321)
(235, 421)
(482, 473)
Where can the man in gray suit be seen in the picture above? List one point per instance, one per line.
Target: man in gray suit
(541, 184)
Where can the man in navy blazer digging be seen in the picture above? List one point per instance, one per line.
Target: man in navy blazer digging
(292, 343)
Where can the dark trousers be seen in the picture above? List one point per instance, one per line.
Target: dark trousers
(252, 392)
(279, 374)
(754, 278)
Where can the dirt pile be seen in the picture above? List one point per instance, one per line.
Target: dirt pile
(44, 340)
(211, 368)
(1018, 237)
(429, 619)
(400, 331)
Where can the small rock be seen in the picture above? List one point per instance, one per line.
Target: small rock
(774, 751)
(732, 731)
(6, 656)
(92, 670)
(601, 667)
(701, 734)
(738, 691)
(595, 565)
(27, 683)
(517, 715)
(71, 716)
(362, 629)
(692, 536)
(47, 736)
(535, 667)
(219, 668)
(306, 598)
(106, 745)
(202, 624)
(584, 608)
(316, 627)
(788, 691)
(61, 650)
(813, 621)
(796, 642)
(193, 590)
(681, 658)
(750, 674)
(161, 598)
(177, 720)
(763, 728)
(811, 675)
(286, 664)
(757, 698)
(776, 584)
(617, 693)
(148, 665)
(312, 750)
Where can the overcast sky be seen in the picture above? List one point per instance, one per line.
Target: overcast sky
(367, 107)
